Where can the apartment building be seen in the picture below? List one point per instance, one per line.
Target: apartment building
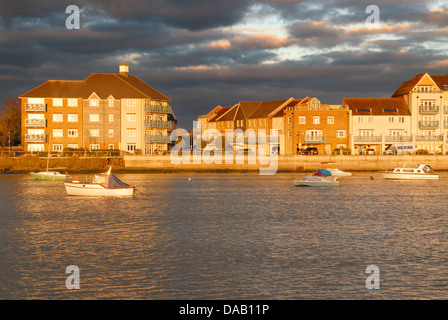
(378, 123)
(104, 111)
(427, 99)
(308, 123)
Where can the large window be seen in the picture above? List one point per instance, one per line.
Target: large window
(72, 118)
(72, 133)
(132, 133)
(57, 117)
(72, 102)
(58, 133)
(94, 132)
(131, 117)
(57, 102)
(94, 117)
(94, 102)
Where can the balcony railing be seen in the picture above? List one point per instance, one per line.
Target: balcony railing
(35, 138)
(41, 107)
(157, 108)
(157, 138)
(429, 109)
(435, 138)
(35, 123)
(367, 139)
(315, 139)
(159, 124)
(392, 139)
(428, 124)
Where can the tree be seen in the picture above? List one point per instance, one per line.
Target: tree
(10, 122)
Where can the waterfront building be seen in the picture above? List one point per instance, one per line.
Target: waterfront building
(104, 111)
(378, 123)
(427, 99)
(310, 124)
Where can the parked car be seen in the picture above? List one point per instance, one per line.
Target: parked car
(421, 152)
(368, 151)
(307, 151)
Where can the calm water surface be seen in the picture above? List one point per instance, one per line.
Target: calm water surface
(226, 236)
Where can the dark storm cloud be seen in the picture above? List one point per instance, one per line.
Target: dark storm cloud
(202, 53)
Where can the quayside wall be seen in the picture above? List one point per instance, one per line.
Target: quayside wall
(291, 163)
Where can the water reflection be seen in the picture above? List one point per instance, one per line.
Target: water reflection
(225, 236)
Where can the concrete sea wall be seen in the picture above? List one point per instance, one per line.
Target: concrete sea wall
(292, 163)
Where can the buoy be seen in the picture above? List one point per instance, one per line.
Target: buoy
(371, 178)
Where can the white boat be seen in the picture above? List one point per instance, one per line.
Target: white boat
(49, 175)
(317, 181)
(339, 173)
(421, 171)
(103, 184)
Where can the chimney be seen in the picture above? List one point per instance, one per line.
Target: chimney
(124, 69)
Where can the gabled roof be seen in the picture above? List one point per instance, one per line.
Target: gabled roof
(219, 113)
(407, 86)
(266, 108)
(377, 106)
(103, 84)
(229, 115)
(441, 81)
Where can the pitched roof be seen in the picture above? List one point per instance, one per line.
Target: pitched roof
(103, 84)
(219, 113)
(407, 86)
(229, 115)
(266, 108)
(441, 81)
(377, 106)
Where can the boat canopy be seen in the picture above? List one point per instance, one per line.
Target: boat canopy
(109, 181)
(322, 172)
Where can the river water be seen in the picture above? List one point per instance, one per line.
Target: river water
(226, 236)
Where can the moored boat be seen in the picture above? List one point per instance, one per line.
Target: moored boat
(336, 172)
(103, 184)
(420, 172)
(321, 178)
(49, 176)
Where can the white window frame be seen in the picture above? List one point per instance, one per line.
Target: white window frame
(58, 133)
(131, 117)
(302, 119)
(74, 117)
(94, 133)
(94, 102)
(58, 102)
(94, 117)
(131, 133)
(341, 134)
(58, 117)
(58, 147)
(94, 146)
(316, 119)
(72, 133)
(72, 102)
(330, 120)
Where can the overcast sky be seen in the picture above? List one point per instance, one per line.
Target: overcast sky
(204, 53)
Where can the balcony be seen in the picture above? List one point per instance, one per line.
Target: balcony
(314, 139)
(159, 124)
(367, 139)
(35, 138)
(428, 124)
(434, 138)
(429, 109)
(32, 107)
(157, 108)
(35, 123)
(157, 138)
(393, 139)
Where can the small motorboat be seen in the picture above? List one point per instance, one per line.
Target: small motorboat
(322, 178)
(49, 176)
(103, 184)
(339, 173)
(420, 172)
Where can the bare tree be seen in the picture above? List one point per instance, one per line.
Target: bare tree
(10, 122)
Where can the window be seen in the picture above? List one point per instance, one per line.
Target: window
(72, 118)
(131, 147)
(330, 120)
(57, 117)
(341, 134)
(57, 102)
(94, 117)
(94, 147)
(111, 146)
(57, 147)
(316, 120)
(289, 134)
(111, 117)
(131, 103)
(289, 120)
(72, 133)
(391, 119)
(359, 119)
(94, 132)
(94, 102)
(370, 119)
(111, 102)
(72, 102)
(58, 132)
(302, 120)
(401, 119)
(111, 132)
(73, 146)
(132, 133)
(131, 117)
